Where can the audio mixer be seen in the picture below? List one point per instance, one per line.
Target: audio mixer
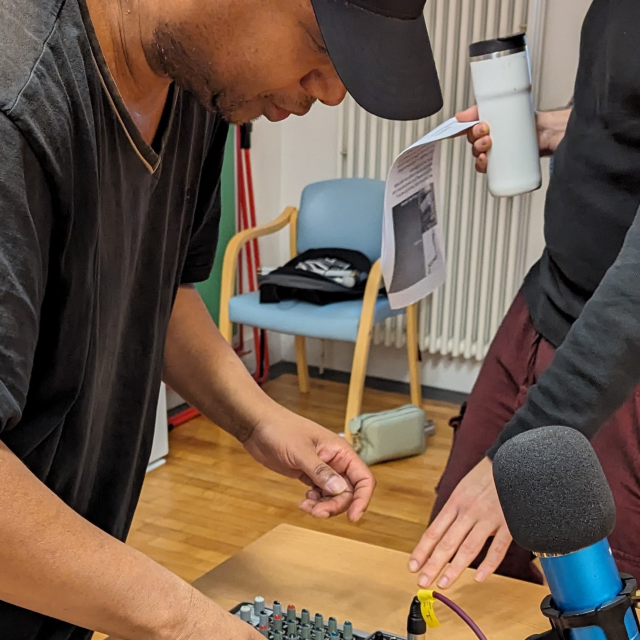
(276, 623)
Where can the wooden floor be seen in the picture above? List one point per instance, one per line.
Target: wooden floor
(211, 499)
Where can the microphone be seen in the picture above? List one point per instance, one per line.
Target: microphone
(558, 504)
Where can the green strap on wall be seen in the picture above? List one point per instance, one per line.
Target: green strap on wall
(210, 289)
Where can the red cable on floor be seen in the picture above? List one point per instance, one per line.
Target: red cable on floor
(182, 417)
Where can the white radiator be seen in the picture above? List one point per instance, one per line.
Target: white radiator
(485, 237)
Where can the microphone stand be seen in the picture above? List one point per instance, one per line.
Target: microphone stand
(609, 617)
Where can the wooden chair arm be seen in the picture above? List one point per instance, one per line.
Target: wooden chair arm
(228, 277)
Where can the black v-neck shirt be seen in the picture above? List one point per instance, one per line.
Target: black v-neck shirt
(97, 231)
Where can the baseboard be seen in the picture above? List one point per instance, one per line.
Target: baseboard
(380, 384)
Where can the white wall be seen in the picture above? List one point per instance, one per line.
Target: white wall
(562, 40)
(285, 157)
(289, 155)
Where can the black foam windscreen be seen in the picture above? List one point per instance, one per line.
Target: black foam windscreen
(553, 491)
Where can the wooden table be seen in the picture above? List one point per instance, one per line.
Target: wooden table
(368, 585)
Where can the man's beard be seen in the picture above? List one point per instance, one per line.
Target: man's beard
(192, 72)
(230, 109)
(169, 57)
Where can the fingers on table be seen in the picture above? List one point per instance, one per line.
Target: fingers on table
(467, 552)
(458, 542)
(496, 553)
(431, 538)
(445, 550)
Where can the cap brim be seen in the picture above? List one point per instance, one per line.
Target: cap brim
(386, 64)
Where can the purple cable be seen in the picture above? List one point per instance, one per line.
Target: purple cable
(461, 613)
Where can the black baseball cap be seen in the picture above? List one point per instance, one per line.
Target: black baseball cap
(382, 53)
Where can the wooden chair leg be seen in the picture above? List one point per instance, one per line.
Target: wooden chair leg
(356, 382)
(361, 353)
(303, 368)
(412, 355)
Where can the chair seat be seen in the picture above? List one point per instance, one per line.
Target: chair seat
(336, 321)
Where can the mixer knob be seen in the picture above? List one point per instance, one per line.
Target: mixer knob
(258, 605)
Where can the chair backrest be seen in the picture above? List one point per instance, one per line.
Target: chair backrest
(345, 213)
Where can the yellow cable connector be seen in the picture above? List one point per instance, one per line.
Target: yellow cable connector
(426, 607)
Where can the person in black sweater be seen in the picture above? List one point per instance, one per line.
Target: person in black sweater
(568, 351)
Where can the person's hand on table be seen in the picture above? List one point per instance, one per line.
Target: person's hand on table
(550, 125)
(471, 516)
(299, 448)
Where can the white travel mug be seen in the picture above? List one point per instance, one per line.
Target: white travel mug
(501, 78)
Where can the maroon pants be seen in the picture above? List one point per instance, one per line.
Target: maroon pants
(515, 359)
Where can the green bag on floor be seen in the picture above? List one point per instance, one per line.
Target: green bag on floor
(389, 435)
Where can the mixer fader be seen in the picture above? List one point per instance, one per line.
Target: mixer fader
(280, 623)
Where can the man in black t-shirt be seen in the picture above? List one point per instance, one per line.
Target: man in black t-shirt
(568, 351)
(113, 119)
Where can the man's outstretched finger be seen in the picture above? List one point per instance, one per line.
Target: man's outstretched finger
(495, 555)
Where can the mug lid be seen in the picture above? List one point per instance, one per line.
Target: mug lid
(515, 42)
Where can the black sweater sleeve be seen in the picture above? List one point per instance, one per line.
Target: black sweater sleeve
(598, 365)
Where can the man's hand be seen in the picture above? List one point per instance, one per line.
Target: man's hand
(298, 448)
(204, 370)
(471, 516)
(550, 125)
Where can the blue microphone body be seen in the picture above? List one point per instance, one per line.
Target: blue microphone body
(558, 504)
(583, 581)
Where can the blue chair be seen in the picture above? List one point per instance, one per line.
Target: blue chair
(344, 213)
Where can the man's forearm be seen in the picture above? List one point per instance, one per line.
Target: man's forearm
(58, 564)
(201, 366)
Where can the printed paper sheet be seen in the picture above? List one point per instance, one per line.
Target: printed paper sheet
(413, 259)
